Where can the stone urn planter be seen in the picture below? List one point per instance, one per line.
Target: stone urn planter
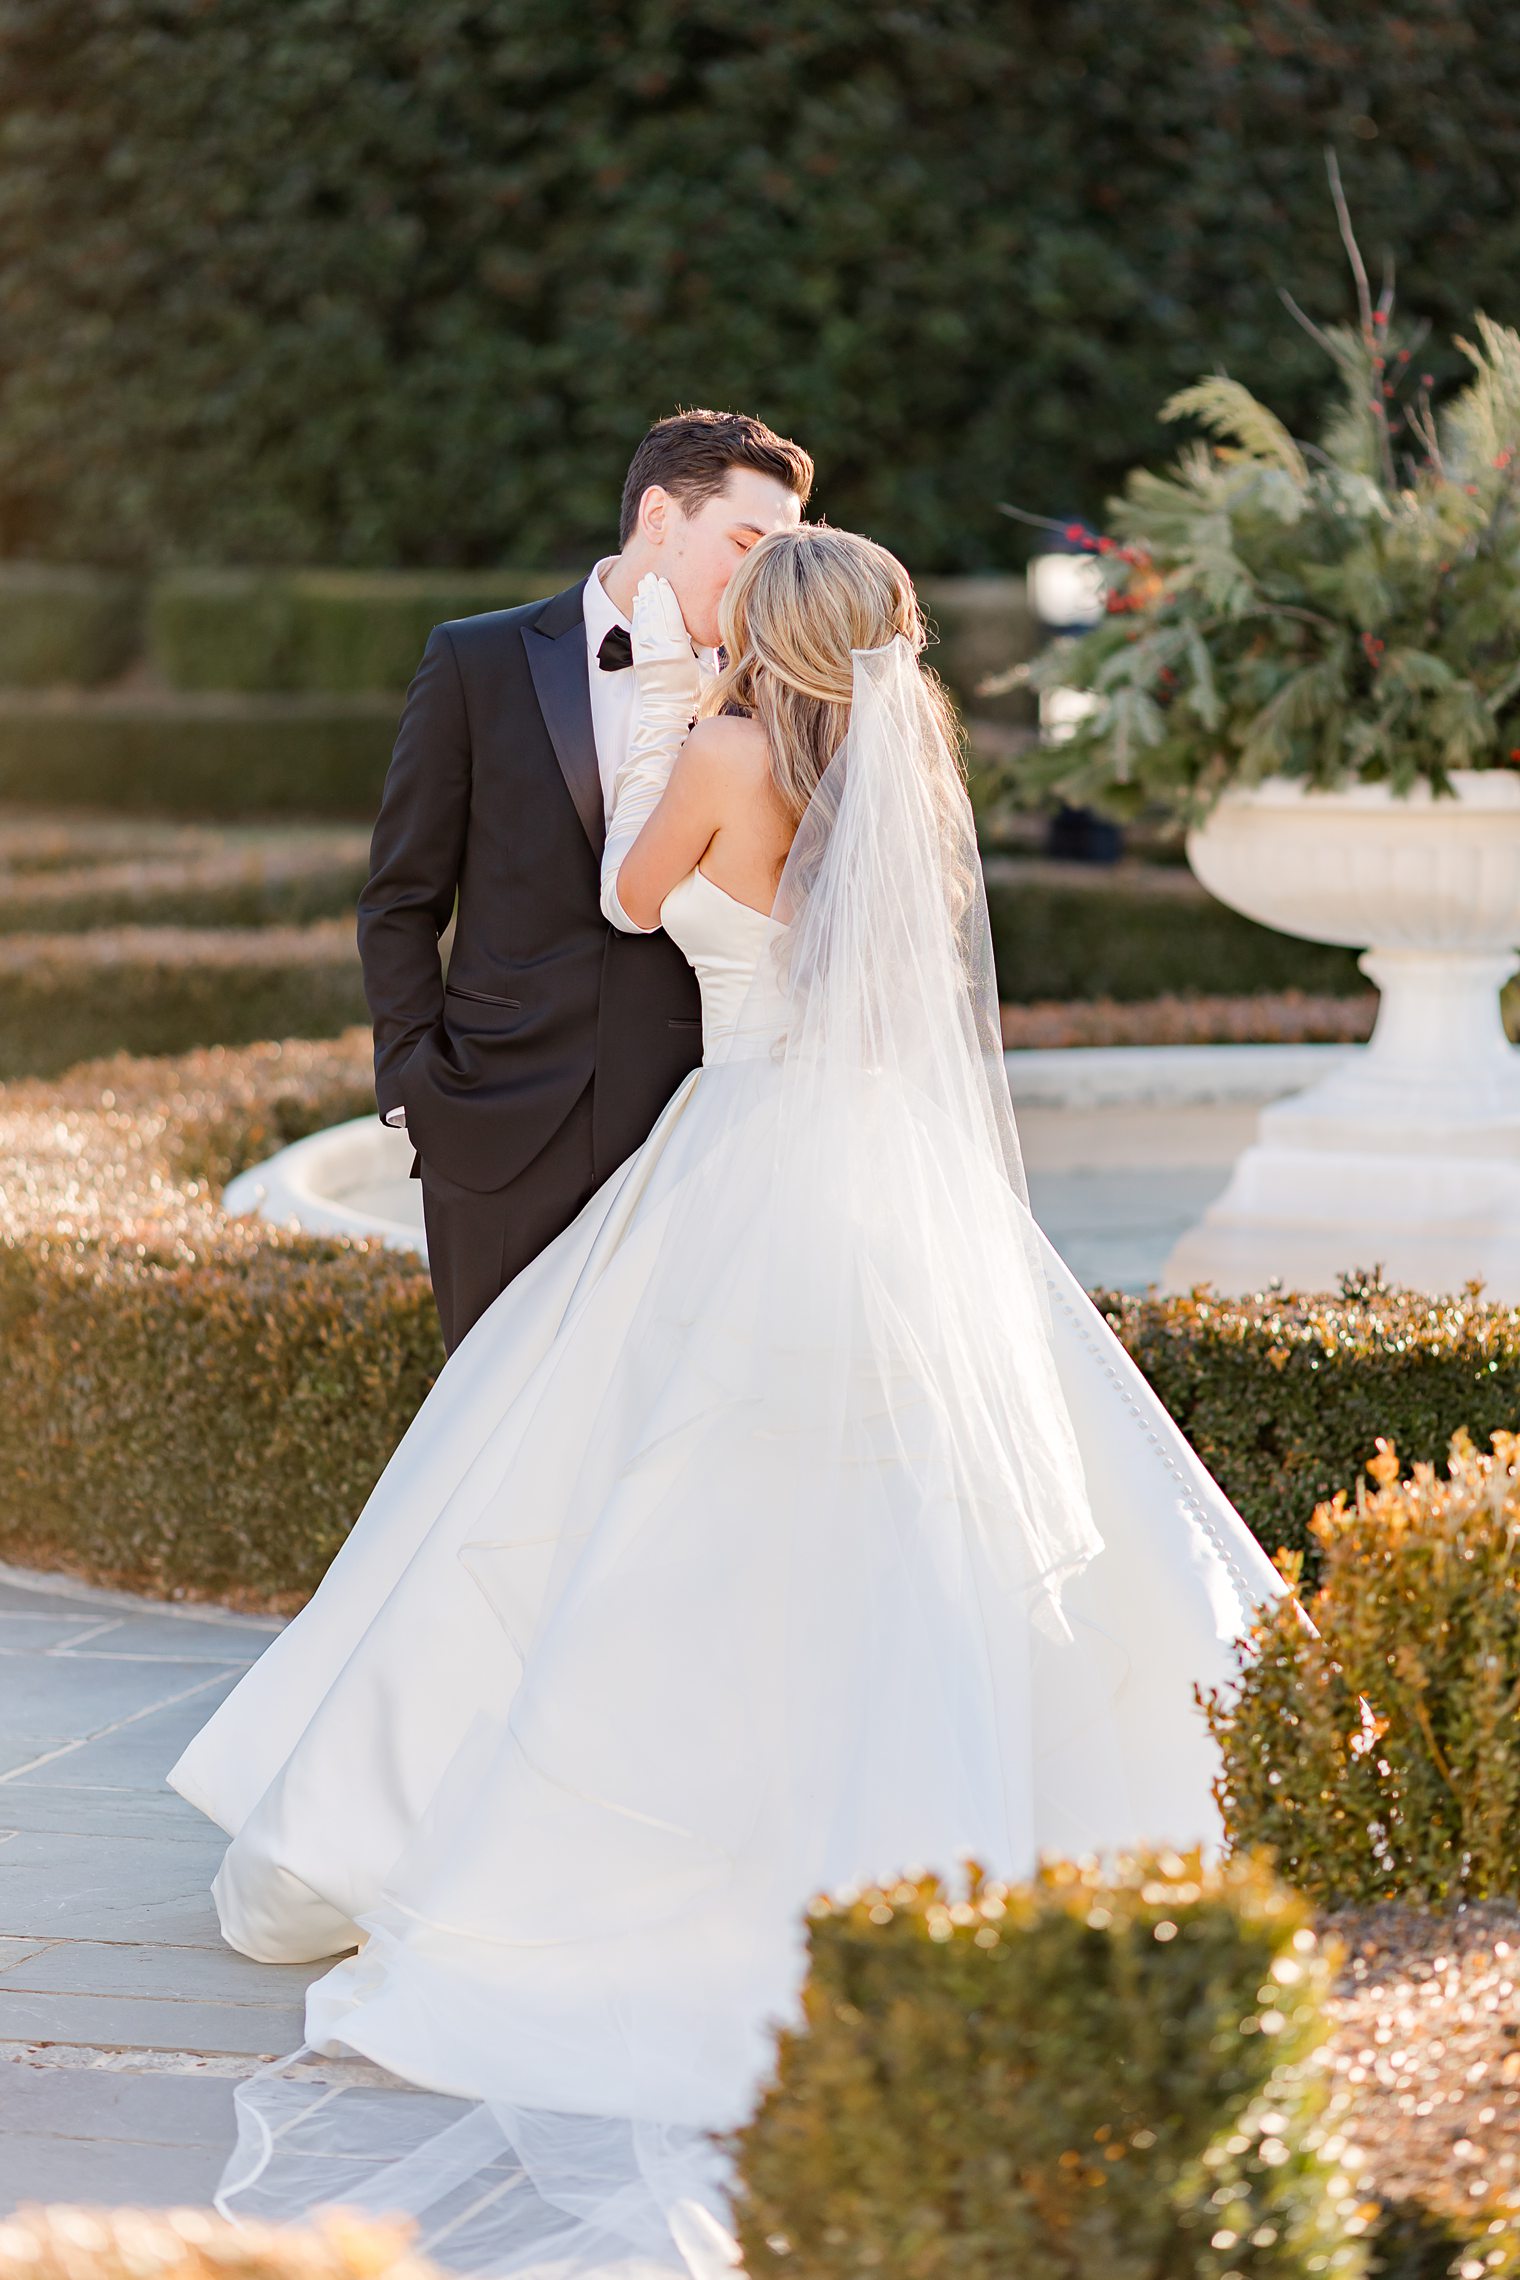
(1407, 1154)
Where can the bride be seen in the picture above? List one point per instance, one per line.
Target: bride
(794, 1519)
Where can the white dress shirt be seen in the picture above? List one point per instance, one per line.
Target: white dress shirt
(612, 694)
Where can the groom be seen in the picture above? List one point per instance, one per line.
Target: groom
(544, 1059)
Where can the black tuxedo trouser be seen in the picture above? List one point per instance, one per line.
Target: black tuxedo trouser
(477, 1243)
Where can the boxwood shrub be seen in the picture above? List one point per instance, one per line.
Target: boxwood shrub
(62, 626)
(1267, 1017)
(1063, 930)
(1097, 2075)
(140, 989)
(62, 876)
(1285, 1396)
(218, 755)
(1378, 1754)
(341, 631)
(191, 1404)
(317, 631)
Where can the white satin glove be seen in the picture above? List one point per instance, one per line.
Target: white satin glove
(668, 682)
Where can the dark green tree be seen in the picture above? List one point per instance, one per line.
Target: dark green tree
(378, 280)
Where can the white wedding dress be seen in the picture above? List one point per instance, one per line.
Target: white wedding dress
(793, 1520)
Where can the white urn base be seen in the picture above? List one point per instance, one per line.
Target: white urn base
(1306, 1217)
(1405, 1157)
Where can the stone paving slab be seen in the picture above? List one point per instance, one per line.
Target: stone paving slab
(138, 1751)
(30, 1591)
(164, 2022)
(78, 1807)
(54, 1595)
(24, 1746)
(101, 1967)
(124, 2019)
(85, 2103)
(93, 1887)
(53, 1694)
(171, 1639)
(13, 1952)
(106, 2172)
(33, 1634)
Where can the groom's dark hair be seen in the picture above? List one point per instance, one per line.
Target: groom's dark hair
(690, 455)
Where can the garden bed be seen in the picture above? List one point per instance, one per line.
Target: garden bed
(1271, 1017)
(1136, 930)
(192, 1405)
(137, 989)
(150, 752)
(1425, 2040)
(1284, 1396)
(150, 1342)
(62, 874)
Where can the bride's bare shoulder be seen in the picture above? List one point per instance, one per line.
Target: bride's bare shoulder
(728, 740)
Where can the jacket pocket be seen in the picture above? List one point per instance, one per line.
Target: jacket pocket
(481, 997)
(684, 1021)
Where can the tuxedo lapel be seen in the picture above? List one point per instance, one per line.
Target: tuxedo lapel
(556, 651)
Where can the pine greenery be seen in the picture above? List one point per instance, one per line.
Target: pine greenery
(1340, 609)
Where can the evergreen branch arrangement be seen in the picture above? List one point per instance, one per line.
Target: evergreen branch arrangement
(1346, 609)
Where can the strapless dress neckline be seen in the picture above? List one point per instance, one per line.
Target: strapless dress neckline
(727, 943)
(735, 902)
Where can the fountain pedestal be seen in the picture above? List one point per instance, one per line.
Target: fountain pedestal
(1406, 1155)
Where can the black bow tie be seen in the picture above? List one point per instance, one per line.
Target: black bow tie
(616, 652)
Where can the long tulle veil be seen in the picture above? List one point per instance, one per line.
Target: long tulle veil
(795, 1618)
(892, 1062)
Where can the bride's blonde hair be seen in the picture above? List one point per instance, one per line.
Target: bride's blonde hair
(797, 605)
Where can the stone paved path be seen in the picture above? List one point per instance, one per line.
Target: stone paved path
(124, 2021)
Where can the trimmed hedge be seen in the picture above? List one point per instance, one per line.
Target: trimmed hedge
(284, 687)
(57, 877)
(1067, 930)
(343, 632)
(1285, 1397)
(1282, 1017)
(979, 627)
(60, 625)
(218, 755)
(1105, 2076)
(319, 632)
(1378, 1754)
(191, 1404)
(139, 989)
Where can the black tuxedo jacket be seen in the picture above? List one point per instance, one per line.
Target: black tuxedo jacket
(494, 794)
